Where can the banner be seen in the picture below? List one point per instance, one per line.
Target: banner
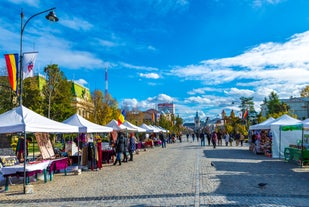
(11, 61)
(29, 59)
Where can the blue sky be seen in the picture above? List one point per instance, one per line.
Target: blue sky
(199, 54)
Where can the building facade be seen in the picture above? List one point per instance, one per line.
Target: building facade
(298, 106)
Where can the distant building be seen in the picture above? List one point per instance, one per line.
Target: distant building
(197, 122)
(298, 106)
(151, 116)
(166, 108)
(82, 101)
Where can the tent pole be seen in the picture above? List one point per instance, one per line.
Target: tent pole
(302, 147)
(25, 160)
(280, 142)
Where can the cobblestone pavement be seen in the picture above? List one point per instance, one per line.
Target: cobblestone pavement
(179, 175)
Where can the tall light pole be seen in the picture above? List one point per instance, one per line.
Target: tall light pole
(51, 17)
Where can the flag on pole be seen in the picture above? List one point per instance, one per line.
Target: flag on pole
(245, 114)
(29, 59)
(12, 68)
(121, 117)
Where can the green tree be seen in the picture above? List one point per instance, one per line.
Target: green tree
(8, 98)
(276, 108)
(58, 94)
(104, 110)
(305, 92)
(32, 96)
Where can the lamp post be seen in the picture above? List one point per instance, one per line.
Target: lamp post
(51, 17)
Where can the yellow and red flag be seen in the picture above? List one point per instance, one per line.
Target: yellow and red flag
(121, 117)
(12, 68)
(246, 114)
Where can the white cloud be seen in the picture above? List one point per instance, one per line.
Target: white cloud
(203, 90)
(149, 75)
(34, 3)
(76, 23)
(279, 67)
(82, 82)
(127, 65)
(239, 92)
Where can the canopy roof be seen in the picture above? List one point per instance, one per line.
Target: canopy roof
(285, 120)
(114, 125)
(86, 126)
(22, 119)
(148, 128)
(263, 125)
(138, 129)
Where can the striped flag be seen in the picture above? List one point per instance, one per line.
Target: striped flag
(29, 59)
(245, 114)
(121, 117)
(12, 68)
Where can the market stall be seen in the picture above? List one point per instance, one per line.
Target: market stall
(86, 127)
(22, 120)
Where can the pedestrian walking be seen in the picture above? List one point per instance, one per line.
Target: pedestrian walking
(119, 147)
(227, 138)
(214, 139)
(241, 139)
(125, 150)
(208, 135)
(131, 146)
(202, 137)
(193, 137)
(187, 137)
(162, 139)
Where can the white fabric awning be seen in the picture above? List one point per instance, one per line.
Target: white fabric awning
(22, 119)
(86, 126)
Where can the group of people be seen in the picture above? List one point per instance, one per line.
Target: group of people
(123, 146)
(216, 138)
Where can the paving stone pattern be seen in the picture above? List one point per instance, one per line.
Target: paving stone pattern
(179, 175)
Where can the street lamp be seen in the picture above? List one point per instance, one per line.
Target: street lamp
(51, 17)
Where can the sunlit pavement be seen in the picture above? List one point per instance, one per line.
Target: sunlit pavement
(179, 175)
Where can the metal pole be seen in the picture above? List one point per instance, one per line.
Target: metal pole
(22, 28)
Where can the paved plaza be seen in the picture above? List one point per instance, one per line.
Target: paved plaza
(179, 175)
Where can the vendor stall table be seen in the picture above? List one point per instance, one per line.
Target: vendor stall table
(108, 155)
(33, 168)
(57, 164)
(295, 154)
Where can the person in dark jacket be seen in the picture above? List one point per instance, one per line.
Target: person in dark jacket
(131, 146)
(125, 150)
(119, 147)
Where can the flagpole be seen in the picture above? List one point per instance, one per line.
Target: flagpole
(52, 17)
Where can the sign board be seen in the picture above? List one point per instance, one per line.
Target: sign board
(45, 145)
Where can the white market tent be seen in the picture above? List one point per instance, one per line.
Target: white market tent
(156, 129)
(22, 119)
(282, 139)
(138, 129)
(148, 128)
(263, 125)
(86, 126)
(114, 125)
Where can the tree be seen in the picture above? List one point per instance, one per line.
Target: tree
(275, 107)
(32, 96)
(305, 92)
(104, 111)
(247, 107)
(58, 94)
(8, 96)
